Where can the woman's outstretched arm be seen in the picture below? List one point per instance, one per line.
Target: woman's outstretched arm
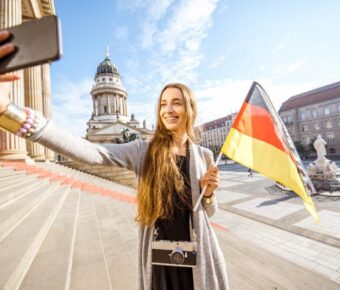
(33, 126)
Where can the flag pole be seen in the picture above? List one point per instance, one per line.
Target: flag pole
(205, 187)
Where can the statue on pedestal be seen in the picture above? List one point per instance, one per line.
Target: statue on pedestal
(320, 147)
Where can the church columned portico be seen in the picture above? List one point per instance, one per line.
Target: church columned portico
(33, 87)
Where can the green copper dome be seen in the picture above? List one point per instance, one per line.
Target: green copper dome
(107, 66)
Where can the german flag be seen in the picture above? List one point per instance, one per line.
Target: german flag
(259, 140)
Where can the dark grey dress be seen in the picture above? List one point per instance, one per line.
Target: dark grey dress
(177, 229)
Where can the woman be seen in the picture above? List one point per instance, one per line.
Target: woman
(171, 172)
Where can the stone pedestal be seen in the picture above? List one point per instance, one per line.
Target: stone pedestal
(325, 175)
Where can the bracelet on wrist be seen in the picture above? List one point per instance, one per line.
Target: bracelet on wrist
(21, 122)
(29, 125)
(209, 200)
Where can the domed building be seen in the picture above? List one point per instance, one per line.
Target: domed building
(109, 122)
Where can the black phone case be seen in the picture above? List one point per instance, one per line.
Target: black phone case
(36, 41)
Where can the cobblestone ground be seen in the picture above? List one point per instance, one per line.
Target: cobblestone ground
(276, 221)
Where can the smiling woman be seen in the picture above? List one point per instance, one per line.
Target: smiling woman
(177, 247)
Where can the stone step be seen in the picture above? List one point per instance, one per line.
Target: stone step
(11, 175)
(19, 248)
(13, 191)
(120, 259)
(89, 268)
(16, 178)
(21, 206)
(52, 265)
(22, 185)
(4, 171)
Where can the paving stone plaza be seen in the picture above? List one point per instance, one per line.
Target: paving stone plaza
(279, 223)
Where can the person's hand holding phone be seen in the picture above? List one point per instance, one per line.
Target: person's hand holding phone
(5, 49)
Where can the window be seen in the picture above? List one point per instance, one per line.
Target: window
(289, 118)
(316, 126)
(305, 140)
(338, 108)
(328, 124)
(303, 128)
(103, 79)
(302, 115)
(105, 109)
(327, 111)
(314, 114)
(330, 139)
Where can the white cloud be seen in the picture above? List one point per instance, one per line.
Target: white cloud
(132, 5)
(72, 104)
(173, 33)
(284, 70)
(215, 63)
(189, 22)
(222, 8)
(155, 11)
(278, 48)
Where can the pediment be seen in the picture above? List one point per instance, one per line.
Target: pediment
(116, 129)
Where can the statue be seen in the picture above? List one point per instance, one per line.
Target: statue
(126, 137)
(320, 147)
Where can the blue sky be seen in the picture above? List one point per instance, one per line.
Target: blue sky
(216, 47)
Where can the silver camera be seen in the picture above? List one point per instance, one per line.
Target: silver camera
(174, 253)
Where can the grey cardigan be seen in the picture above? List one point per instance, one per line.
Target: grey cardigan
(210, 273)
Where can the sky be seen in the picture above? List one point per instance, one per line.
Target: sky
(216, 47)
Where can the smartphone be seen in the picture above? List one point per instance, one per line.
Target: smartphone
(37, 41)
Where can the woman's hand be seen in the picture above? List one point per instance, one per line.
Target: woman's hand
(5, 49)
(212, 179)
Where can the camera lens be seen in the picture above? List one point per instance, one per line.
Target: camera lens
(177, 257)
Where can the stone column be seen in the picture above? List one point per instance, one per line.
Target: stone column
(115, 103)
(47, 102)
(125, 107)
(108, 104)
(12, 147)
(95, 104)
(34, 100)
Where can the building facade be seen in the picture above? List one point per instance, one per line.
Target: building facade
(34, 88)
(314, 113)
(213, 134)
(109, 120)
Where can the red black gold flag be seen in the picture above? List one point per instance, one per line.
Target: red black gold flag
(259, 140)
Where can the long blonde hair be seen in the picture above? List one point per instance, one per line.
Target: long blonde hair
(160, 177)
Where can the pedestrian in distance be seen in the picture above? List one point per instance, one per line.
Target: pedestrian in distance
(250, 172)
(171, 171)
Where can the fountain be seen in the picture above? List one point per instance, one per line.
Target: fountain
(324, 173)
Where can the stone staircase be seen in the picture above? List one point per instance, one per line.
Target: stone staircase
(118, 175)
(64, 229)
